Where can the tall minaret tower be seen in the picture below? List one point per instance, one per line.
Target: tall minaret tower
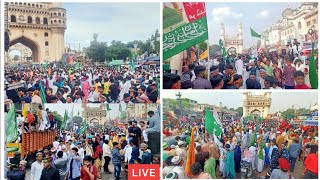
(240, 31)
(222, 32)
(245, 104)
(57, 25)
(240, 38)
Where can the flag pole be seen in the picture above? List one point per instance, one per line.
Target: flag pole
(208, 65)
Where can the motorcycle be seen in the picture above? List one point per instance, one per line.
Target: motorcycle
(246, 169)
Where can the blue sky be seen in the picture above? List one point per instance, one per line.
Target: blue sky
(112, 21)
(280, 100)
(256, 15)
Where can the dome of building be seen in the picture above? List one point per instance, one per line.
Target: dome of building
(287, 13)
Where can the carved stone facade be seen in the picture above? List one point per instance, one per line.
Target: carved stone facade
(231, 42)
(140, 111)
(256, 105)
(95, 115)
(39, 26)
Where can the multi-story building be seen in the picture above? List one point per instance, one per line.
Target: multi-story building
(294, 24)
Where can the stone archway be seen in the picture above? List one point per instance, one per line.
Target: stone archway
(29, 43)
(256, 113)
(94, 122)
(232, 51)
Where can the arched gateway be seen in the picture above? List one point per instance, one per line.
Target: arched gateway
(256, 105)
(38, 26)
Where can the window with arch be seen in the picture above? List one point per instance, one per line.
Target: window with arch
(16, 3)
(29, 4)
(13, 18)
(46, 34)
(299, 25)
(46, 43)
(63, 22)
(55, 14)
(29, 19)
(24, 4)
(37, 5)
(20, 4)
(45, 20)
(51, 22)
(59, 21)
(40, 6)
(32, 5)
(55, 21)
(62, 14)
(59, 14)
(37, 20)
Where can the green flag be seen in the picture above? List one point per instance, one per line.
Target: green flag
(133, 65)
(313, 71)
(120, 108)
(250, 118)
(11, 125)
(254, 34)
(223, 49)
(259, 118)
(108, 107)
(65, 119)
(254, 137)
(211, 124)
(260, 154)
(183, 28)
(133, 55)
(84, 128)
(42, 95)
(77, 66)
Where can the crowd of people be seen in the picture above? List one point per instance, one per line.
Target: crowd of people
(89, 155)
(266, 70)
(268, 148)
(88, 84)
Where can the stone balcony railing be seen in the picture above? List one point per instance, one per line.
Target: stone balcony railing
(28, 25)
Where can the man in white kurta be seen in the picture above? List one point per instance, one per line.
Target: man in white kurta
(36, 168)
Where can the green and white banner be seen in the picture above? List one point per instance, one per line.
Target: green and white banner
(187, 24)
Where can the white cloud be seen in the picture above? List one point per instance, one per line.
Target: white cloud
(263, 14)
(123, 21)
(236, 15)
(219, 14)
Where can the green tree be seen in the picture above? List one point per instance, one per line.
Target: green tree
(58, 118)
(239, 111)
(203, 46)
(288, 113)
(97, 50)
(213, 49)
(117, 50)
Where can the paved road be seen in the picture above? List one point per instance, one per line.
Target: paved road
(297, 174)
(104, 176)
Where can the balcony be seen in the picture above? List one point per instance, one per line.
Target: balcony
(28, 25)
